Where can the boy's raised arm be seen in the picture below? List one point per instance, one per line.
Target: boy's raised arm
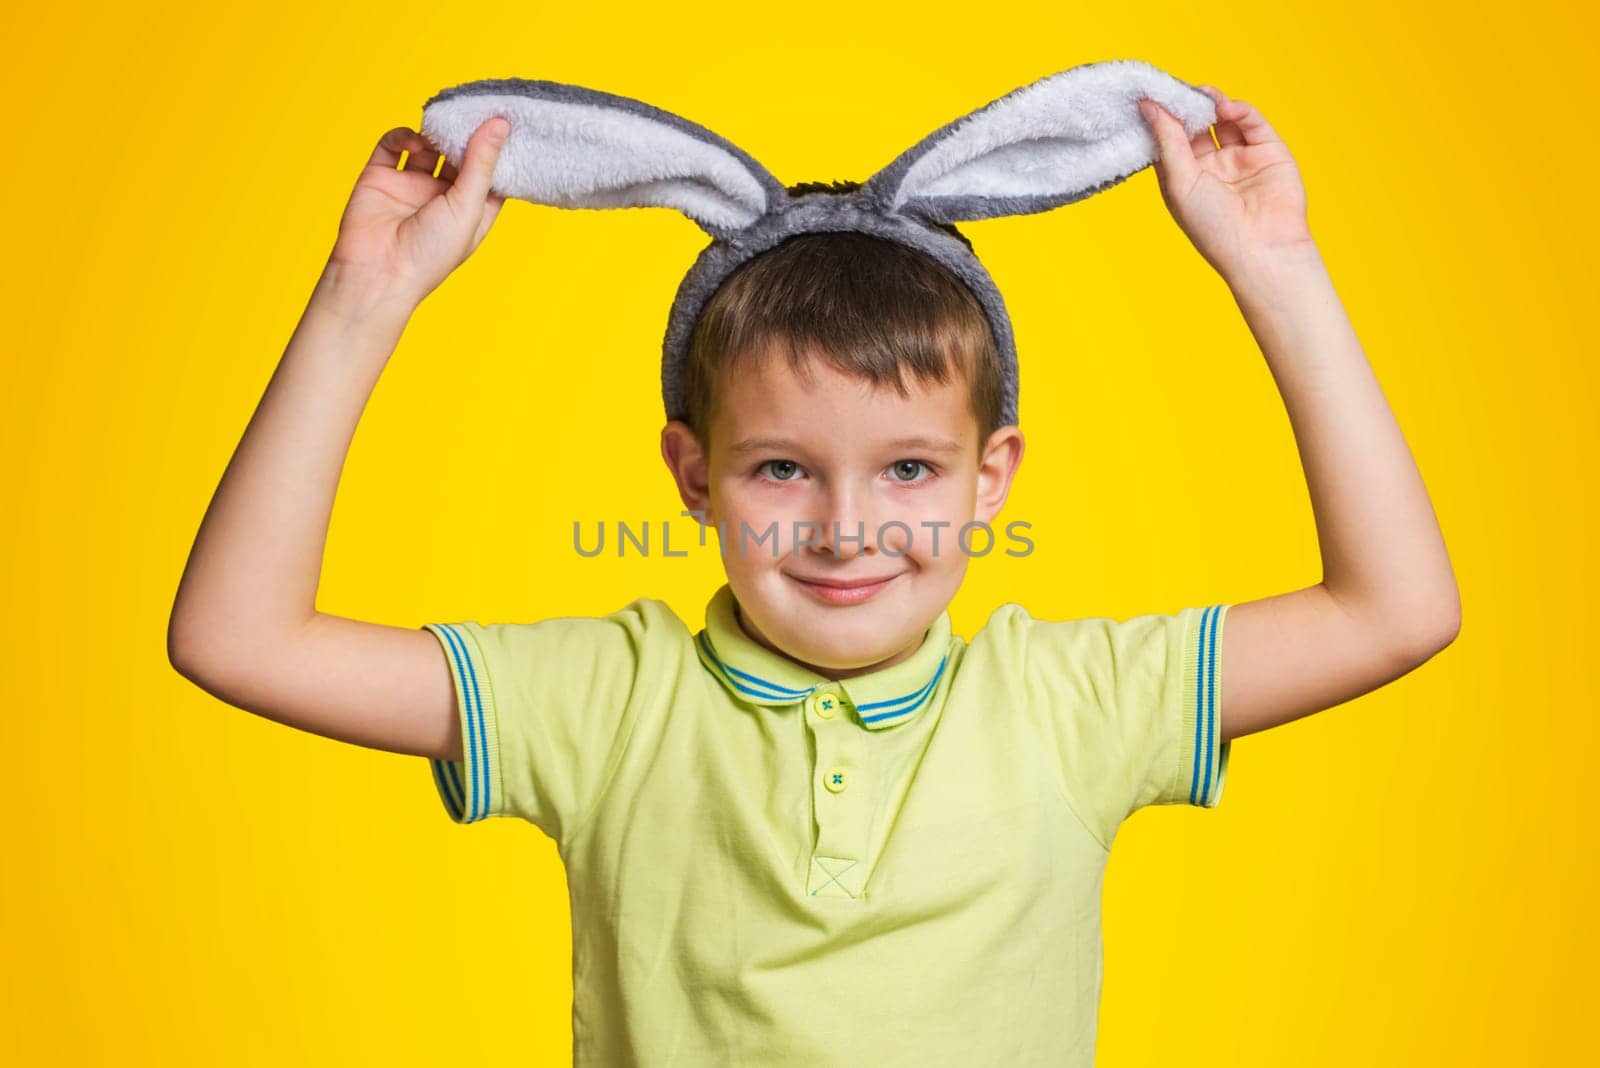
(1388, 600)
(244, 623)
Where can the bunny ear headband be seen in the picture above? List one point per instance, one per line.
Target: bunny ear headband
(1057, 140)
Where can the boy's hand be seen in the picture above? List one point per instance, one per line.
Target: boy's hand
(405, 230)
(1239, 202)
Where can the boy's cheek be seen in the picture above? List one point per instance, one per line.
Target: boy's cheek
(766, 532)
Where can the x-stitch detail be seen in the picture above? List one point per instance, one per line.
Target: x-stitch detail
(833, 876)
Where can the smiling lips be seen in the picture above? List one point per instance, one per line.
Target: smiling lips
(844, 591)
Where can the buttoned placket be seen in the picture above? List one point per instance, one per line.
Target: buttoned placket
(841, 796)
(839, 718)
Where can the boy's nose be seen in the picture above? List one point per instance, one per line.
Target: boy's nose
(845, 539)
(847, 527)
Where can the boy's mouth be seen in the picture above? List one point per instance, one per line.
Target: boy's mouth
(844, 590)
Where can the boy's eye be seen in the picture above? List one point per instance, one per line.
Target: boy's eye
(907, 470)
(780, 470)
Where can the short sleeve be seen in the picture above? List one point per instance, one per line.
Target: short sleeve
(1135, 710)
(544, 708)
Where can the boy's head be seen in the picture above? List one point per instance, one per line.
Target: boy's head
(844, 401)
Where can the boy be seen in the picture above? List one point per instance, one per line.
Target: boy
(823, 829)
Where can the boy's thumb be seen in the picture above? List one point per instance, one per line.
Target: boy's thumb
(473, 181)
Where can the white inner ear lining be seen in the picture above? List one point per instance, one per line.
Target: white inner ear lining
(582, 155)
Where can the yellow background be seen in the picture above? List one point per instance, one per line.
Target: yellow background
(1407, 878)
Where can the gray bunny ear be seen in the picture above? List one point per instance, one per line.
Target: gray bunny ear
(572, 147)
(1057, 140)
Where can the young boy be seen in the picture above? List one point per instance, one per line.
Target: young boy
(822, 829)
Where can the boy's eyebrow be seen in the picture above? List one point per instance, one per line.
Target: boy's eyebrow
(944, 445)
(926, 444)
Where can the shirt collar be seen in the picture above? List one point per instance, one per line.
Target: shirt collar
(757, 675)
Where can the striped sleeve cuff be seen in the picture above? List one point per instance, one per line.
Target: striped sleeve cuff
(1202, 755)
(470, 788)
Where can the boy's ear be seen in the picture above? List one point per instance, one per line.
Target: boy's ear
(997, 466)
(573, 147)
(690, 468)
(1049, 143)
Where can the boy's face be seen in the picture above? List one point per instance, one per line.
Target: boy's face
(825, 448)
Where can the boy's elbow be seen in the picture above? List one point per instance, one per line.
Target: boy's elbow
(1452, 627)
(200, 649)
(186, 651)
(179, 645)
(1450, 624)
(186, 637)
(1429, 641)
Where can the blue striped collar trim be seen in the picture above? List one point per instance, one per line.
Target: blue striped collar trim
(756, 675)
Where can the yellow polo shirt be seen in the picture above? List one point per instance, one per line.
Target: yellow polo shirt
(770, 867)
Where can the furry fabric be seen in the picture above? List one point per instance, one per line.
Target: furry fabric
(1051, 142)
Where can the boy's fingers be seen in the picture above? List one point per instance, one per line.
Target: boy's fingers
(1202, 143)
(1240, 124)
(403, 139)
(1177, 158)
(471, 186)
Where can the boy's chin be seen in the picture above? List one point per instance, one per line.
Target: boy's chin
(835, 658)
(868, 639)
